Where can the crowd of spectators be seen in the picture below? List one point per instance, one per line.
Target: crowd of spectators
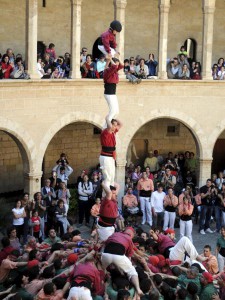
(44, 255)
(218, 70)
(51, 66)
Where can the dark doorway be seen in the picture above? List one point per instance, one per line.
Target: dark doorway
(191, 47)
(218, 163)
(41, 49)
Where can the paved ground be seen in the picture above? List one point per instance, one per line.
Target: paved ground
(199, 240)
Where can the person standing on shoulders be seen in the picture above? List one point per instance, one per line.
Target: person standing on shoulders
(108, 153)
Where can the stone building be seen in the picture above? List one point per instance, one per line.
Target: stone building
(40, 119)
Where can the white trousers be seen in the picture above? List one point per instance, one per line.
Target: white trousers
(104, 232)
(113, 105)
(169, 220)
(102, 49)
(121, 261)
(184, 245)
(146, 208)
(79, 293)
(186, 229)
(107, 164)
(221, 262)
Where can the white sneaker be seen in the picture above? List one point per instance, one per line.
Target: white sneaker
(209, 230)
(202, 231)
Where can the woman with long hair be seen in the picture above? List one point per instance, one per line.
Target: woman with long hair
(18, 218)
(185, 210)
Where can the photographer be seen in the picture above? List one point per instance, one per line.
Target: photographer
(152, 64)
(207, 195)
(142, 69)
(173, 68)
(168, 179)
(62, 169)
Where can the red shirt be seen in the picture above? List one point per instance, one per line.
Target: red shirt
(9, 69)
(36, 228)
(5, 252)
(111, 74)
(108, 209)
(123, 239)
(164, 242)
(108, 40)
(89, 270)
(108, 140)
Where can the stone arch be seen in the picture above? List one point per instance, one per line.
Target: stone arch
(195, 128)
(72, 117)
(215, 134)
(23, 141)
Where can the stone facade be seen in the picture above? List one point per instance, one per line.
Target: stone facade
(141, 31)
(33, 112)
(80, 143)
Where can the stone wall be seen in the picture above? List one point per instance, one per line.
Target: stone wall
(141, 31)
(154, 136)
(81, 145)
(11, 166)
(35, 111)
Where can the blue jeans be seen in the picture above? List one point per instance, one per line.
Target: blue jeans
(218, 215)
(205, 217)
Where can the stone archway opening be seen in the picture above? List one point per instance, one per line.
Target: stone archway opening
(81, 143)
(218, 163)
(165, 135)
(14, 164)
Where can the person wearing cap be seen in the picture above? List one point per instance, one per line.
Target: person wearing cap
(108, 151)
(108, 212)
(145, 188)
(169, 249)
(107, 41)
(152, 162)
(170, 205)
(208, 289)
(118, 250)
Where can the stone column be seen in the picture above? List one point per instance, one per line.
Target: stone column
(119, 14)
(205, 166)
(120, 179)
(164, 7)
(75, 38)
(208, 8)
(32, 183)
(31, 38)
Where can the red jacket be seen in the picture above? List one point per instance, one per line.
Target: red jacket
(108, 40)
(123, 239)
(9, 69)
(111, 74)
(88, 270)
